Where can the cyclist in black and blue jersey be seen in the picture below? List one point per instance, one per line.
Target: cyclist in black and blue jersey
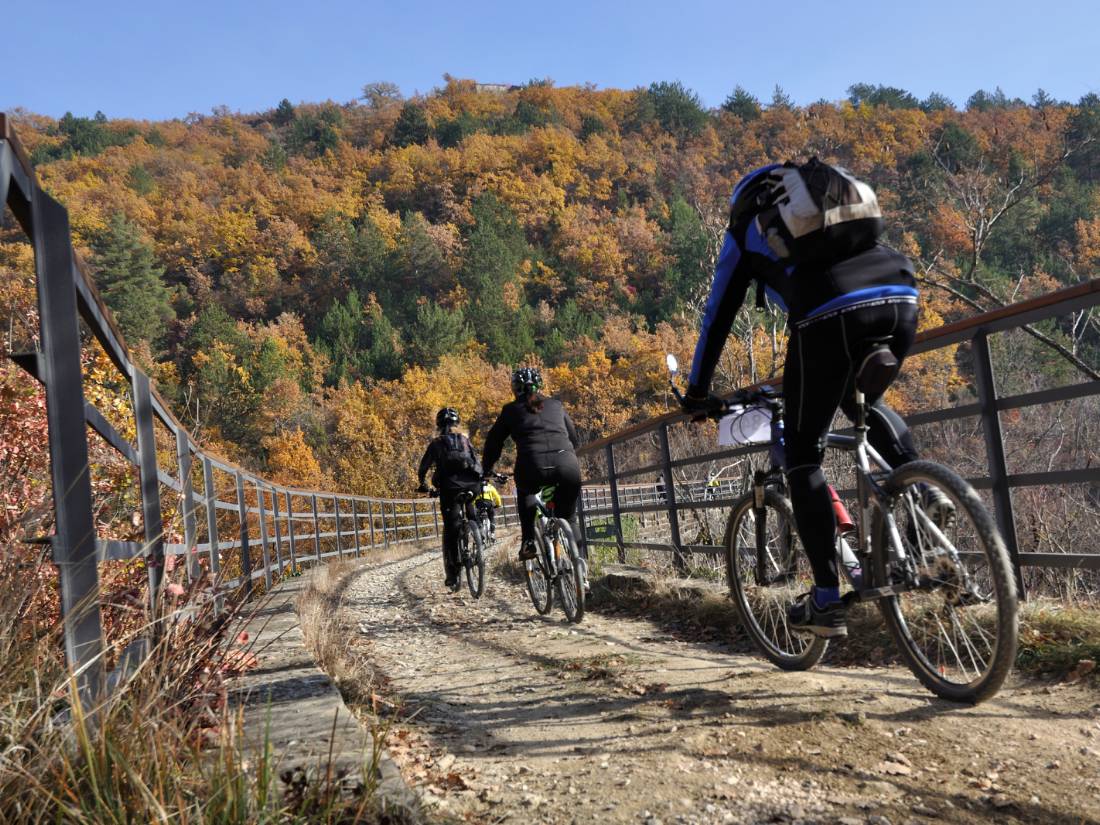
(808, 237)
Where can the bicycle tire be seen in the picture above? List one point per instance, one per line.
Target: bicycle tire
(903, 612)
(538, 587)
(570, 578)
(764, 607)
(475, 561)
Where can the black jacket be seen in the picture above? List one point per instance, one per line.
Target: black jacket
(450, 478)
(550, 430)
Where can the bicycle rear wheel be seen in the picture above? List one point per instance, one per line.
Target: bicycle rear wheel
(570, 578)
(475, 561)
(538, 587)
(955, 623)
(767, 570)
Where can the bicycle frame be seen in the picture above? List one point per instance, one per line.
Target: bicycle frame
(869, 495)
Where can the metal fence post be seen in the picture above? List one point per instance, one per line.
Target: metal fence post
(396, 523)
(339, 543)
(183, 454)
(278, 531)
(582, 537)
(355, 522)
(416, 523)
(261, 505)
(290, 532)
(995, 452)
(212, 531)
(370, 520)
(670, 499)
(246, 553)
(435, 520)
(150, 489)
(73, 545)
(316, 526)
(609, 451)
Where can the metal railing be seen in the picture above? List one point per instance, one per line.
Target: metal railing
(605, 498)
(294, 526)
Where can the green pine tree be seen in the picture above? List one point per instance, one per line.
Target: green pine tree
(435, 332)
(495, 249)
(131, 282)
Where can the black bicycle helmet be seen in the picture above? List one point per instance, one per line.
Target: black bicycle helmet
(446, 417)
(526, 380)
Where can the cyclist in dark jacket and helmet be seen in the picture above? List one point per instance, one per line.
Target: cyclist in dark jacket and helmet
(456, 470)
(545, 440)
(808, 236)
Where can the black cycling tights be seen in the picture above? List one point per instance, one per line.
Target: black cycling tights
(559, 469)
(822, 359)
(451, 509)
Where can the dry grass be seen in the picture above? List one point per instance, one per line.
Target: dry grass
(1056, 641)
(166, 748)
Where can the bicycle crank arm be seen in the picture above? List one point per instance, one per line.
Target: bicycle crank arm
(872, 593)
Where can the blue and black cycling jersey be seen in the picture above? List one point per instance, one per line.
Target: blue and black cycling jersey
(807, 292)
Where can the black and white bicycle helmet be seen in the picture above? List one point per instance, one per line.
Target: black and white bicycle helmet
(448, 416)
(525, 381)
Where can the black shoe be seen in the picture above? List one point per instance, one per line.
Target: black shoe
(828, 622)
(451, 583)
(938, 507)
(528, 551)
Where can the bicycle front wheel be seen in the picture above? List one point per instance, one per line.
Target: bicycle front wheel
(538, 587)
(955, 617)
(475, 561)
(570, 578)
(767, 570)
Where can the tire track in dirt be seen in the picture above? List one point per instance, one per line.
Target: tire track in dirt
(513, 716)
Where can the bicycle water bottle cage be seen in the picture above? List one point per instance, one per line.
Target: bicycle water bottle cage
(878, 369)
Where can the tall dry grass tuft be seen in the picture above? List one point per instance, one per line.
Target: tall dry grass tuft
(165, 747)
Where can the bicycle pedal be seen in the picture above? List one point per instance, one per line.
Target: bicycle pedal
(851, 597)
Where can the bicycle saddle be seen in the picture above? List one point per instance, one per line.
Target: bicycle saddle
(464, 496)
(877, 370)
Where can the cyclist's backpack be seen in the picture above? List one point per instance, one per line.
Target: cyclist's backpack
(811, 213)
(455, 455)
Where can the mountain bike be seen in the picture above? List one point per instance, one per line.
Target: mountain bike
(488, 532)
(558, 565)
(471, 548)
(939, 572)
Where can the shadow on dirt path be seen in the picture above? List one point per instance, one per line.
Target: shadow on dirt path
(511, 715)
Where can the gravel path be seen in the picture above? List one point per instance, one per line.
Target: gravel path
(508, 716)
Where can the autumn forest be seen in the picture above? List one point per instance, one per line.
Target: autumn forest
(307, 285)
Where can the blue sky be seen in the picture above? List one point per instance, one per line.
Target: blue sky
(157, 59)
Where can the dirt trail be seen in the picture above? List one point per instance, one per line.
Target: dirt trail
(528, 719)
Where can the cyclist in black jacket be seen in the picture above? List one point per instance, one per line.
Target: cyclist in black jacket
(839, 309)
(545, 440)
(456, 470)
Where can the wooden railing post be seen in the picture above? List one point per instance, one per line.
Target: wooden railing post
(212, 531)
(995, 453)
(339, 542)
(290, 533)
(355, 522)
(316, 527)
(275, 516)
(609, 452)
(73, 543)
(150, 490)
(261, 506)
(246, 553)
(670, 500)
(187, 491)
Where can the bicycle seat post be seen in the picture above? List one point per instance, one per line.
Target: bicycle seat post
(861, 416)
